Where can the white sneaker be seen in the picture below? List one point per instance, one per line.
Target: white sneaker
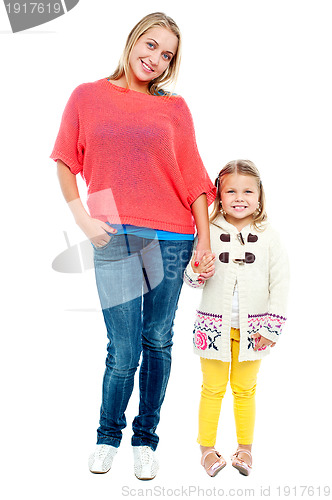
(101, 460)
(145, 463)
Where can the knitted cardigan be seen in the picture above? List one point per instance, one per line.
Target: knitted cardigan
(257, 262)
(137, 154)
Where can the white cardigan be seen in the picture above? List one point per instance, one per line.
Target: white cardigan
(258, 263)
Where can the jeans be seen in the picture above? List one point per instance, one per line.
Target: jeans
(139, 282)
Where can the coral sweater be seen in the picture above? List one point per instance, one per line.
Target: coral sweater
(137, 154)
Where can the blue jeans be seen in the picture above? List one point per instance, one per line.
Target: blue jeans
(139, 282)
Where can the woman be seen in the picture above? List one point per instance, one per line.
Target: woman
(134, 144)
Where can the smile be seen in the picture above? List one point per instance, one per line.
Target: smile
(239, 208)
(146, 67)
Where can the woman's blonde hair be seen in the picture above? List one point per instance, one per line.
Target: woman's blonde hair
(243, 167)
(170, 74)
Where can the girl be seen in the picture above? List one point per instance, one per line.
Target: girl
(242, 309)
(134, 144)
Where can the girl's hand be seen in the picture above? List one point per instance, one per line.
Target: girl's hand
(96, 230)
(205, 265)
(262, 342)
(205, 276)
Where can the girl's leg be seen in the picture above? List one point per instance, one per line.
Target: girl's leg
(243, 380)
(159, 307)
(215, 379)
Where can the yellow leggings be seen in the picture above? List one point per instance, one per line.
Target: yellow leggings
(243, 376)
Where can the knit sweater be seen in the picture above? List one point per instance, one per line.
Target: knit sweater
(137, 154)
(257, 262)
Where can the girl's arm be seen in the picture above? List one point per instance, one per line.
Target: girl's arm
(278, 291)
(94, 229)
(278, 287)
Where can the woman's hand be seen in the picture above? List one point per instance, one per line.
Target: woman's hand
(96, 230)
(262, 342)
(203, 251)
(203, 247)
(205, 265)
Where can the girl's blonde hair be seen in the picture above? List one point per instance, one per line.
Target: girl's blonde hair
(171, 73)
(243, 167)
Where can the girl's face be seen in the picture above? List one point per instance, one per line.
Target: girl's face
(151, 55)
(239, 197)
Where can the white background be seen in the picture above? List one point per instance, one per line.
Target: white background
(256, 76)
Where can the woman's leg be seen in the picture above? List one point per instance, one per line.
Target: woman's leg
(124, 349)
(159, 307)
(119, 282)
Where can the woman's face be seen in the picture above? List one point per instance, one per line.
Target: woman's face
(239, 197)
(152, 54)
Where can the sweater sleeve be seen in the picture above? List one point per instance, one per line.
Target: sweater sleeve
(190, 163)
(278, 290)
(69, 146)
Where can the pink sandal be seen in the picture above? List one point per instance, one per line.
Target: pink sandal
(240, 464)
(214, 468)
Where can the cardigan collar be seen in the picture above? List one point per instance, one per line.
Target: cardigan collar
(221, 222)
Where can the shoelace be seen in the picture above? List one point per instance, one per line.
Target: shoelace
(145, 455)
(102, 451)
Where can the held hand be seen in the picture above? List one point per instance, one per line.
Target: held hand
(203, 248)
(96, 230)
(262, 342)
(205, 276)
(203, 266)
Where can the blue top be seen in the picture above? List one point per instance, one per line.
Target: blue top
(146, 232)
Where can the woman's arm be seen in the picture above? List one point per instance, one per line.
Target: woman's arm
(200, 212)
(94, 229)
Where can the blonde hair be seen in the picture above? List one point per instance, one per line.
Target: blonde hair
(243, 167)
(171, 73)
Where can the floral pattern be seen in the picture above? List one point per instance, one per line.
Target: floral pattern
(200, 340)
(207, 329)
